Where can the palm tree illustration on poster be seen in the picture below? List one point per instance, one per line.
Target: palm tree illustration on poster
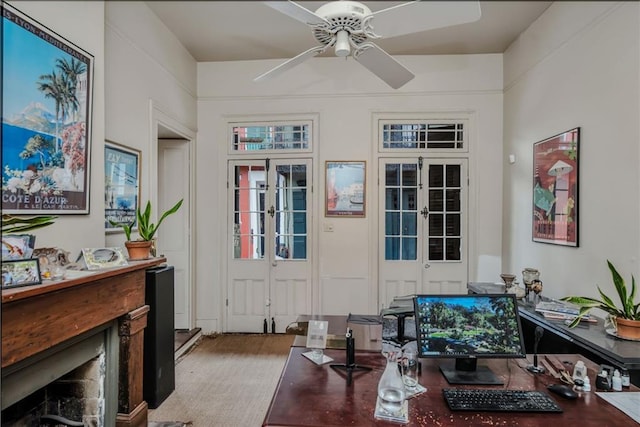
(46, 116)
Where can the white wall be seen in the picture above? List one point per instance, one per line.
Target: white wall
(144, 64)
(577, 65)
(344, 97)
(83, 24)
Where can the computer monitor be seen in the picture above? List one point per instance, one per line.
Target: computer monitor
(466, 328)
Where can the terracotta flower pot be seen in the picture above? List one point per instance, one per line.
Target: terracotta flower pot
(628, 328)
(138, 249)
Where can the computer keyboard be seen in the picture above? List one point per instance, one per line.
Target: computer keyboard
(499, 400)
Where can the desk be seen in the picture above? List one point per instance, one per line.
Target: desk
(588, 339)
(310, 395)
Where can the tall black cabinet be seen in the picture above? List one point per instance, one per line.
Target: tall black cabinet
(159, 364)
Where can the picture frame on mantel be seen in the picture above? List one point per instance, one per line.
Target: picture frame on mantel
(122, 185)
(345, 189)
(20, 272)
(555, 189)
(46, 119)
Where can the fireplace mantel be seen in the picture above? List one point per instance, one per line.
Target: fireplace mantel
(37, 318)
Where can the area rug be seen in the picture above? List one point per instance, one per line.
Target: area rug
(225, 380)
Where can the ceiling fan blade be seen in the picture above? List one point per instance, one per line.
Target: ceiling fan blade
(418, 16)
(296, 11)
(382, 65)
(287, 65)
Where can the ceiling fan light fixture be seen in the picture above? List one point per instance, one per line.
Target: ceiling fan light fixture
(343, 47)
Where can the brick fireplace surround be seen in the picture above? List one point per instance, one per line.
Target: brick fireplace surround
(39, 319)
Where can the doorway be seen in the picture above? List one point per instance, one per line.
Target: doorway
(423, 234)
(269, 260)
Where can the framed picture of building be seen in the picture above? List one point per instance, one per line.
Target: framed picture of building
(122, 185)
(555, 189)
(46, 119)
(345, 189)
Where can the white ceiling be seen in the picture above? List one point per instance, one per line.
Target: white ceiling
(246, 30)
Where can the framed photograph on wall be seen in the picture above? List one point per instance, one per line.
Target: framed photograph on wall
(345, 189)
(122, 185)
(46, 119)
(555, 189)
(20, 272)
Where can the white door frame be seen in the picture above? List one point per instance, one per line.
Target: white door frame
(159, 118)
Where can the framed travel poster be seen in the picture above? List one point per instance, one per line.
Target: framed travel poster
(555, 189)
(122, 185)
(345, 189)
(46, 119)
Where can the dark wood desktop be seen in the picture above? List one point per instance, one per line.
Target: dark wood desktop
(589, 339)
(312, 395)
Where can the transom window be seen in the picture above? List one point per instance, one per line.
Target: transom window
(439, 135)
(271, 137)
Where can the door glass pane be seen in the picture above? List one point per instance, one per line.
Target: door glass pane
(392, 224)
(453, 175)
(401, 216)
(248, 212)
(435, 224)
(435, 201)
(290, 219)
(392, 248)
(392, 175)
(436, 178)
(445, 216)
(436, 251)
(453, 248)
(391, 199)
(453, 200)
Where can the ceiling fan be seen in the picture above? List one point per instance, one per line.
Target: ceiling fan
(350, 26)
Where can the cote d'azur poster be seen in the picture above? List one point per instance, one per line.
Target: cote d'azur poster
(46, 118)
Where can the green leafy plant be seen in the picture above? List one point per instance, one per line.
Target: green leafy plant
(14, 224)
(146, 228)
(629, 309)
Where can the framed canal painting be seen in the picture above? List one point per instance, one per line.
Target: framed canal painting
(555, 189)
(46, 119)
(345, 189)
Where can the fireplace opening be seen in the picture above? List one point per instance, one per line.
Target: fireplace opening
(68, 385)
(77, 397)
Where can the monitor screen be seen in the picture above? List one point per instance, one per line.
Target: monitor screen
(465, 328)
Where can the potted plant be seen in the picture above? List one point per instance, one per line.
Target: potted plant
(626, 317)
(141, 248)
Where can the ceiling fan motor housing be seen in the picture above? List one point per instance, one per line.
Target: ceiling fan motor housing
(342, 15)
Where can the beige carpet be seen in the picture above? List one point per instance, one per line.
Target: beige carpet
(226, 380)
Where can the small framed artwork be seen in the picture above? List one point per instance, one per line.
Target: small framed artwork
(17, 246)
(20, 272)
(122, 185)
(345, 189)
(555, 189)
(99, 258)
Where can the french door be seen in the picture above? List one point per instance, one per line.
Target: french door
(269, 260)
(423, 234)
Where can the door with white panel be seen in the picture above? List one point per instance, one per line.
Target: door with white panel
(423, 232)
(174, 237)
(269, 260)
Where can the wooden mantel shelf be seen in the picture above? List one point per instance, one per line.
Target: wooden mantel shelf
(82, 277)
(39, 317)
